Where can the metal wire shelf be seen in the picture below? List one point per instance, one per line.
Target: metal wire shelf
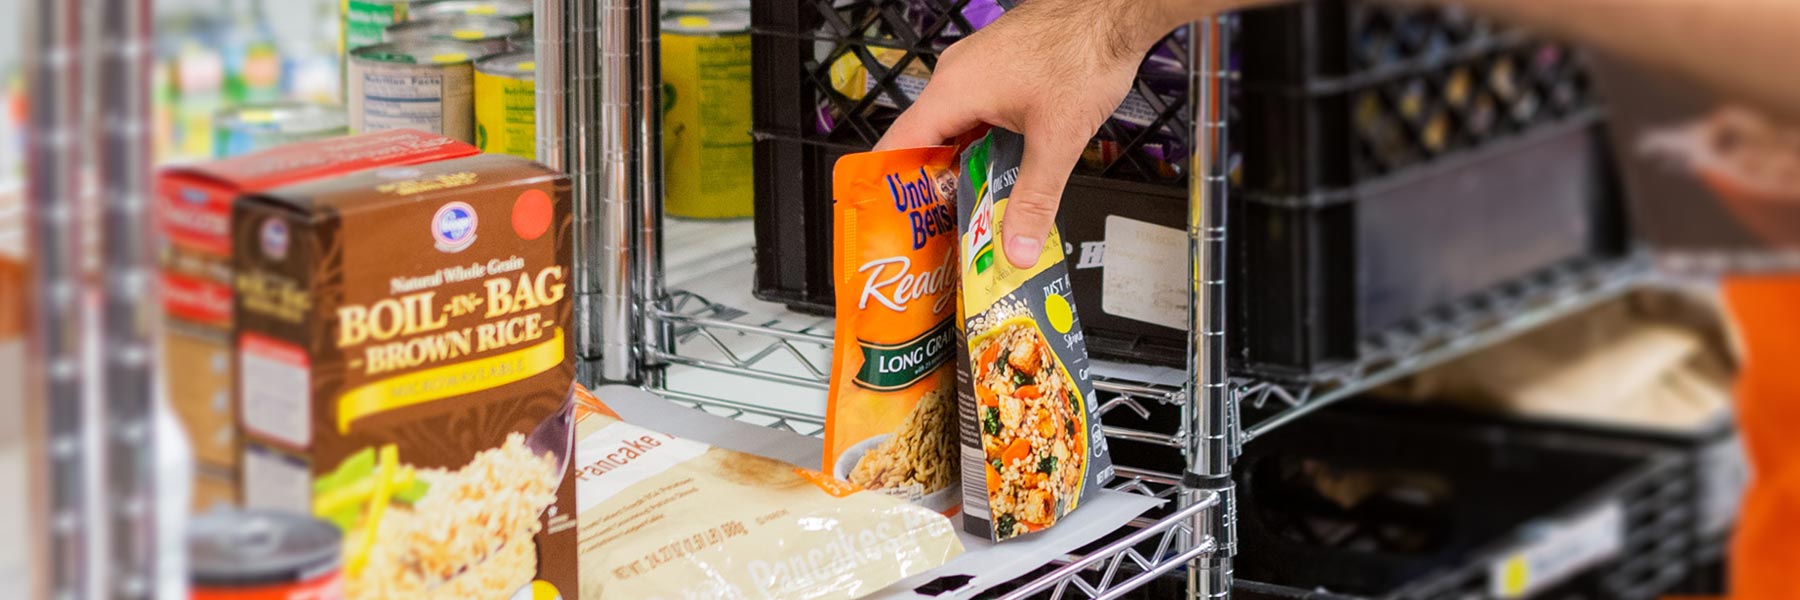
(1156, 546)
(796, 351)
(1120, 567)
(1442, 336)
(692, 318)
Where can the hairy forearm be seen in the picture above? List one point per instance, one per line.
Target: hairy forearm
(1745, 50)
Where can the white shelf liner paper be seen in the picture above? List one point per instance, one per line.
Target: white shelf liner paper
(986, 563)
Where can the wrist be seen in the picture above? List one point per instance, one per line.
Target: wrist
(1154, 19)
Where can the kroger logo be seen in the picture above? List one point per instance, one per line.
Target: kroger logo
(193, 196)
(454, 226)
(274, 238)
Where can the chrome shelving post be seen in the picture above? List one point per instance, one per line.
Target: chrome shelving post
(648, 294)
(620, 150)
(126, 318)
(576, 53)
(1209, 413)
(560, 76)
(630, 217)
(53, 160)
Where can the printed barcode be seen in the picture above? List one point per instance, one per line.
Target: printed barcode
(974, 482)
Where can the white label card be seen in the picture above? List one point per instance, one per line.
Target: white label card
(275, 387)
(1563, 549)
(1724, 475)
(276, 481)
(1146, 276)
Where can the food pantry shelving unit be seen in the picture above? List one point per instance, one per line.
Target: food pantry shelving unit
(639, 331)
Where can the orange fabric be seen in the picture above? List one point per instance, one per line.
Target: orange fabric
(1765, 552)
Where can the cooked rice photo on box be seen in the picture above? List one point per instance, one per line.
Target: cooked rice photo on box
(435, 533)
(918, 458)
(1031, 424)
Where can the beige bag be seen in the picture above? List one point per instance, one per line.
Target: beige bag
(664, 517)
(1660, 358)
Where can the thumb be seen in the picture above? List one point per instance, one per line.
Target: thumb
(1050, 155)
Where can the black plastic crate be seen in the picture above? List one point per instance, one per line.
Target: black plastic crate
(1391, 504)
(1311, 281)
(804, 119)
(1710, 574)
(1334, 93)
(1715, 467)
(1366, 194)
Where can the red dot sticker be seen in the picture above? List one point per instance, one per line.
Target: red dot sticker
(531, 214)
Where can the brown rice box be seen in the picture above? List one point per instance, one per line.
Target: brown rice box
(403, 359)
(192, 214)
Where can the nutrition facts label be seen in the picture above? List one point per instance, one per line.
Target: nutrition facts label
(403, 100)
(274, 385)
(434, 99)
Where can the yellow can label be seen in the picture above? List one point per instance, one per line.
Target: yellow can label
(506, 114)
(707, 169)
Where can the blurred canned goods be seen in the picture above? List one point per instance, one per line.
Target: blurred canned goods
(518, 11)
(428, 86)
(263, 555)
(488, 33)
(506, 104)
(245, 129)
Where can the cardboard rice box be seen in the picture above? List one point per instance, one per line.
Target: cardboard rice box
(404, 364)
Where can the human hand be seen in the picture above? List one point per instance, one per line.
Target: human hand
(1053, 70)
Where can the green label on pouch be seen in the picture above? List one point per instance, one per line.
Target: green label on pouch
(896, 366)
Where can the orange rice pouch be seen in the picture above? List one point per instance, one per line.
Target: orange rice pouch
(890, 421)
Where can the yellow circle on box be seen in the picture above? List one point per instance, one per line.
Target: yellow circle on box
(542, 590)
(1061, 315)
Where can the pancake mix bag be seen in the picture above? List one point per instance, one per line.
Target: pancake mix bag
(1031, 445)
(666, 517)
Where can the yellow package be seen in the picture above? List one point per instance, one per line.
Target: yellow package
(890, 423)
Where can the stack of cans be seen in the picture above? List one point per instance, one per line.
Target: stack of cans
(460, 68)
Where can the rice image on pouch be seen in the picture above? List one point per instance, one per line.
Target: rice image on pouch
(439, 534)
(918, 454)
(1031, 426)
(1030, 442)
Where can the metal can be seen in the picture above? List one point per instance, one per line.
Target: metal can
(522, 41)
(707, 169)
(518, 11)
(506, 104)
(264, 555)
(488, 33)
(428, 86)
(245, 129)
(365, 22)
(704, 7)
